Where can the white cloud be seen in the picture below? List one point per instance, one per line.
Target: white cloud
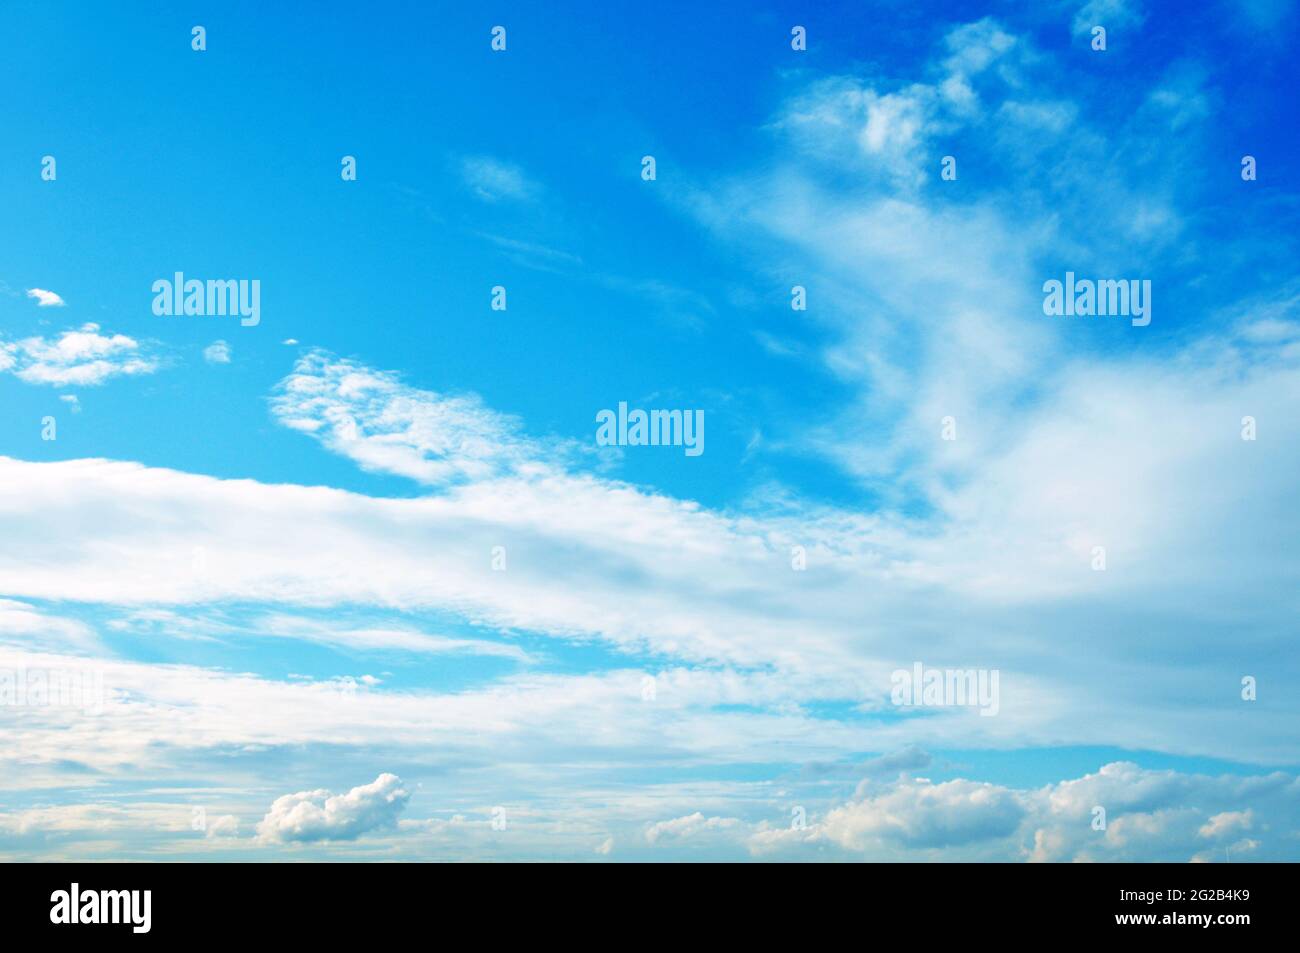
(492, 180)
(1150, 815)
(645, 571)
(218, 352)
(683, 828)
(319, 815)
(45, 299)
(886, 127)
(73, 402)
(402, 638)
(996, 574)
(83, 357)
(1111, 14)
(96, 818)
(372, 634)
(384, 425)
(1226, 823)
(26, 625)
(223, 825)
(159, 716)
(921, 814)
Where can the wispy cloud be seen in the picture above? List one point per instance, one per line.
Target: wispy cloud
(668, 648)
(387, 426)
(218, 352)
(494, 180)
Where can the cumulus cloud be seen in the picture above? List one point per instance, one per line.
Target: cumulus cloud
(1150, 815)
(218, 352)
(45, 299)
(320, 815)
(684, 828)
(83, 357)
(1226, 823)
(921, 814)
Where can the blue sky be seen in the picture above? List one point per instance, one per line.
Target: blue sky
(274, 544)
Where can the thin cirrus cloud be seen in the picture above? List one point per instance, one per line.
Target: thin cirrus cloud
(952, 276)
(385, 425)
(369, 635)
(494, 180)
(379, 637)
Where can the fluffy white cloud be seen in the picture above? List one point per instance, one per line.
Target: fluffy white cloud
(1149, 815)
(45, 299)
(921, 814)
(319, 815)
(1226, 824)
(83, 357)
